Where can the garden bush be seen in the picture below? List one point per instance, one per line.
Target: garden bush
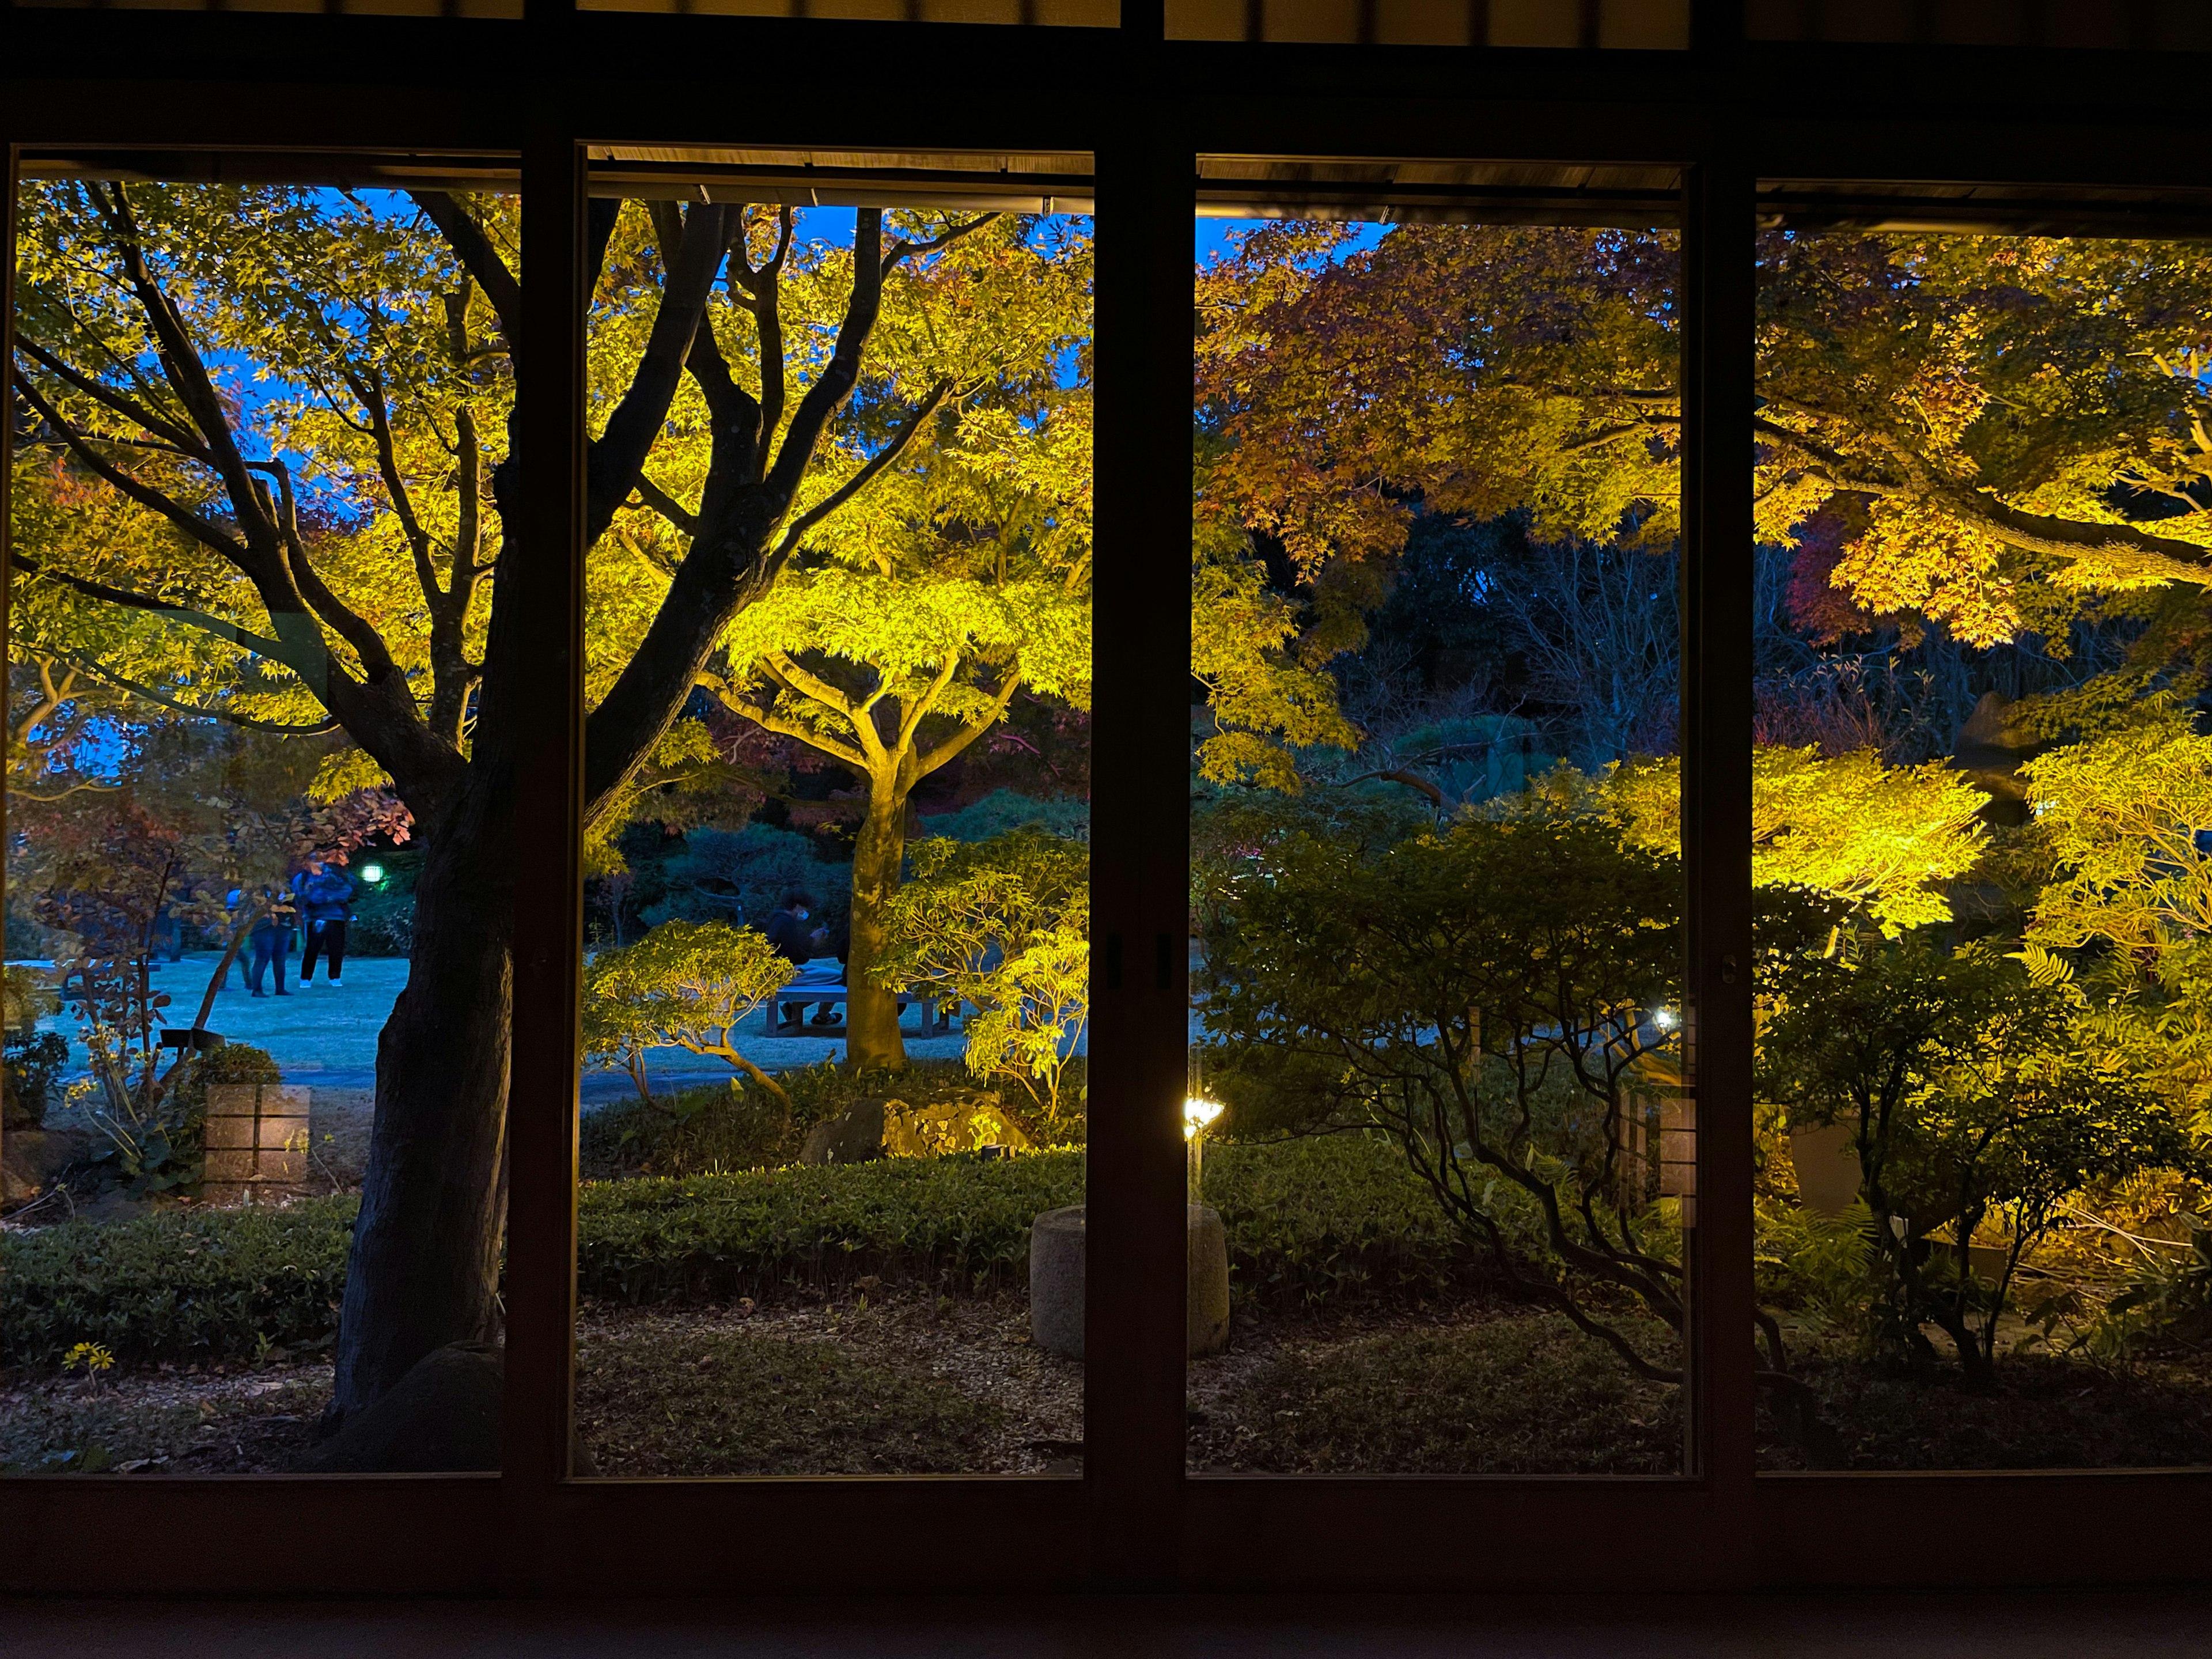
(181, 1285)
(30, 1077)
(1310, 1224)
(1333, 1218)
(717, 1129)
(960, 1223)
(720, 1130)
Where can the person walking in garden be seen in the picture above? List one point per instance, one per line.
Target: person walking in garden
(270, 941)
(326, 897)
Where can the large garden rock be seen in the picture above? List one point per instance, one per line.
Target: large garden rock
(1058, 1253)
(31, 1158)
(962, 1124)
(892, 1128)
(852, 1137)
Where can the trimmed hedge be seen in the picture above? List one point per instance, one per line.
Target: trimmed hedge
(1331, 1219)
(187, 1286)
(959, 1222)
(1309, 1222)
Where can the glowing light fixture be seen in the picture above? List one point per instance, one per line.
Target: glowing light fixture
(1197, 1113)
(1664, 1019)
(372, 873)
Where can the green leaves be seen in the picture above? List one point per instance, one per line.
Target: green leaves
(687, 983)
(1003, 924)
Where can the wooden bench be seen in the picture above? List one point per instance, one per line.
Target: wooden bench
(804, 997)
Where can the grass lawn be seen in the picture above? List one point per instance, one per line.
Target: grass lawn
(723, 1392)
(1480, 1389)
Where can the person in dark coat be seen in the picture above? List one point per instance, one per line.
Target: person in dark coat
(325, 900)
(790, 937)
(269, 941)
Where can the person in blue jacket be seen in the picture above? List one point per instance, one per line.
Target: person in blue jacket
(326, 899)
(270, 941)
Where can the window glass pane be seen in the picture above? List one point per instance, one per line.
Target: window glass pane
(1065, 14)
(1441, 1145)
(1980, 801)
(1609, 24)
(837, 888)
(2064, 23)
(256, 1012)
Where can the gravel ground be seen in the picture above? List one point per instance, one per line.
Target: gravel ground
(254, 1420)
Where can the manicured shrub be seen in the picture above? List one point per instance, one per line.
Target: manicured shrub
(183, 1286)
(1331, 1219)
(1311, 1223)
(960, 1223)
(711, 1130)
(718, 1130)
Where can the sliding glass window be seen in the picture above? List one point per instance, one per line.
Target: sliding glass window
(837, 889)
(1983, 823)
(1441, 1153)
(258, 913)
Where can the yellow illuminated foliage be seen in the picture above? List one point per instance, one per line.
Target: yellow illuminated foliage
(1888, 838)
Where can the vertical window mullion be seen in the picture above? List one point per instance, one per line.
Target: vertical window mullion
(1718, 287)
(1134, 1336)
(541, 564)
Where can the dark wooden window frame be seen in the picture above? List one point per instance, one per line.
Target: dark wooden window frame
(1724, 114)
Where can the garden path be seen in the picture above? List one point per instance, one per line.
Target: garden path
(325, 1035)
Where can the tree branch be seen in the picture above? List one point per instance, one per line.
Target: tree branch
(203, 530)
(868, 475)
(477, 257)
(328, 723)
(618, 454)
(958, 744)
(667, 506)
(768, 720)
(244, 639)
(184, 442)
(834, 384)
(348, 624)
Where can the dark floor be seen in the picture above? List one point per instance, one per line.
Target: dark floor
(2020, 1626)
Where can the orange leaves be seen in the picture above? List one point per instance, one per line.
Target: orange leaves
(1915, 559)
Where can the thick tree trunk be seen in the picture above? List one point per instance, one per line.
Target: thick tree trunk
(424, 1268)
(871, 1024)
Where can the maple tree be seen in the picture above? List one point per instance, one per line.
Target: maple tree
(901, 630)
(1971, 1105)
(686, 984)
(1003, 924)
(309, 395)
(2000, 435)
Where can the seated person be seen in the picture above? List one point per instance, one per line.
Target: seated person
(790, 937)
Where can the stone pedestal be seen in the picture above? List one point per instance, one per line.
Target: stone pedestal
(1056, 1269)
(256, 1142)
(1827, 1160)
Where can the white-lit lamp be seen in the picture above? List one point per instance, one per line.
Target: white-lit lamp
(1197, 1113)
(372, 873)
(1664, 1019)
